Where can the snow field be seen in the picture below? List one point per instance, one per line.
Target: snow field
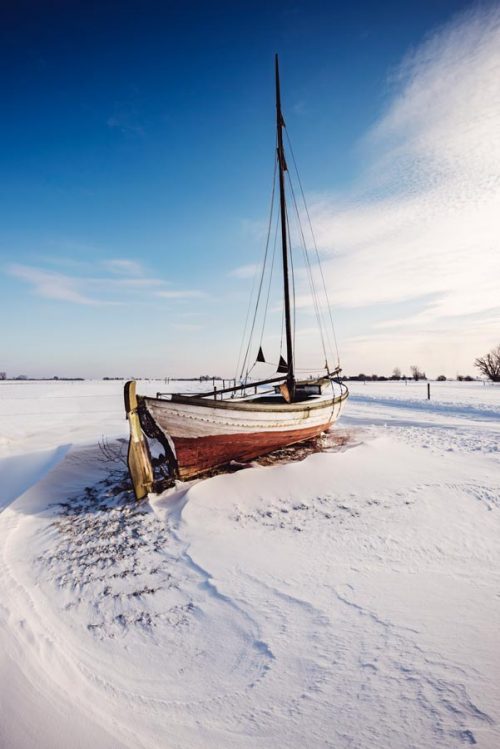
(348, 600)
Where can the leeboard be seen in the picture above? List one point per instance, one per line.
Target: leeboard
(139, 457)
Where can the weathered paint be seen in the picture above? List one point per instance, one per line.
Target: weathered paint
(196, 455)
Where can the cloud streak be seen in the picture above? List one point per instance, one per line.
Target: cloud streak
(124, 283)
(50, 285)
(244, 271)
(423, 221)
(181, 294)
(124, 267)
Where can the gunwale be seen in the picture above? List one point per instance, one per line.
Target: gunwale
(241, 405)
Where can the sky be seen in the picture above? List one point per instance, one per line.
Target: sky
(137, 153)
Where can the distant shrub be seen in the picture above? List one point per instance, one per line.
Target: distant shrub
(441, 378)
(416, 373)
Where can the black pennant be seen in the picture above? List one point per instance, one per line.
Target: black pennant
(282, 366)
(260, 355)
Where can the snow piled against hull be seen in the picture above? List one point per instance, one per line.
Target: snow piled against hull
(349, 600)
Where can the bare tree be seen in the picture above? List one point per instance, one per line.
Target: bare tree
(489, 364)
(396, 374)
(416, 373)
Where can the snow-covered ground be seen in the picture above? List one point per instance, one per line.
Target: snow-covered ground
(348, 600)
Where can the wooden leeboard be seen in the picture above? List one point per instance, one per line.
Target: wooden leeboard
(139, 458)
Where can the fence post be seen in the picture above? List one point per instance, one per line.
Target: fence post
(428, 391)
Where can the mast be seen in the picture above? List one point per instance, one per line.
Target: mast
(286, 286)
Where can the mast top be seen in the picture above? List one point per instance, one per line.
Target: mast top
(280, 120)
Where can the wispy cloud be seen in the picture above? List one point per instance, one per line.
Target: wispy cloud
(124, 282)
(244, 271)
(52, 285)
(180, 294)
(124, 267)
(187, 326)
(423, 221)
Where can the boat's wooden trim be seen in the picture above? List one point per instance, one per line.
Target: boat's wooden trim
(233, 389)
(248, 405)
(216, 393)
(189, 420)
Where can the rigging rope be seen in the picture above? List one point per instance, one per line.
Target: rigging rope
(249, 307)
(323, 329)
(315, 245)
(270, 280)
(263, 271)
(293, 281)
(282, 335)
(310, 277)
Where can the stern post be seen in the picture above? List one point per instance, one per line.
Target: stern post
(139, 458)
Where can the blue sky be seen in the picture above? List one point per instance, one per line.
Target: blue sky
(137, 152)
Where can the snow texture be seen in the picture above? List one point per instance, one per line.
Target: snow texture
(349, 599)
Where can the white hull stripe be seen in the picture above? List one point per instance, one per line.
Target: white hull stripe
(191, 421)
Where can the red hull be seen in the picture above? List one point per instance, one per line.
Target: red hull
(199, 454)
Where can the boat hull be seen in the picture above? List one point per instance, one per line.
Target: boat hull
(203, 435)
(200, 454)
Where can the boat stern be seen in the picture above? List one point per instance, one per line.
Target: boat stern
(138, 458)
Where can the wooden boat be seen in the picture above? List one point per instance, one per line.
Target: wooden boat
(201, 431)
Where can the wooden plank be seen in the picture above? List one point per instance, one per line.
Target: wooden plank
(199, 454)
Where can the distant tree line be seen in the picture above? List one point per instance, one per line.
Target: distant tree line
(25, 378)
(416, 375)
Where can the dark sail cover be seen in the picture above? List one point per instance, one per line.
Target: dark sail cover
(282, 366)
(260, 355)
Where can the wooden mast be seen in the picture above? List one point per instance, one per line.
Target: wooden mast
(286, 286)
